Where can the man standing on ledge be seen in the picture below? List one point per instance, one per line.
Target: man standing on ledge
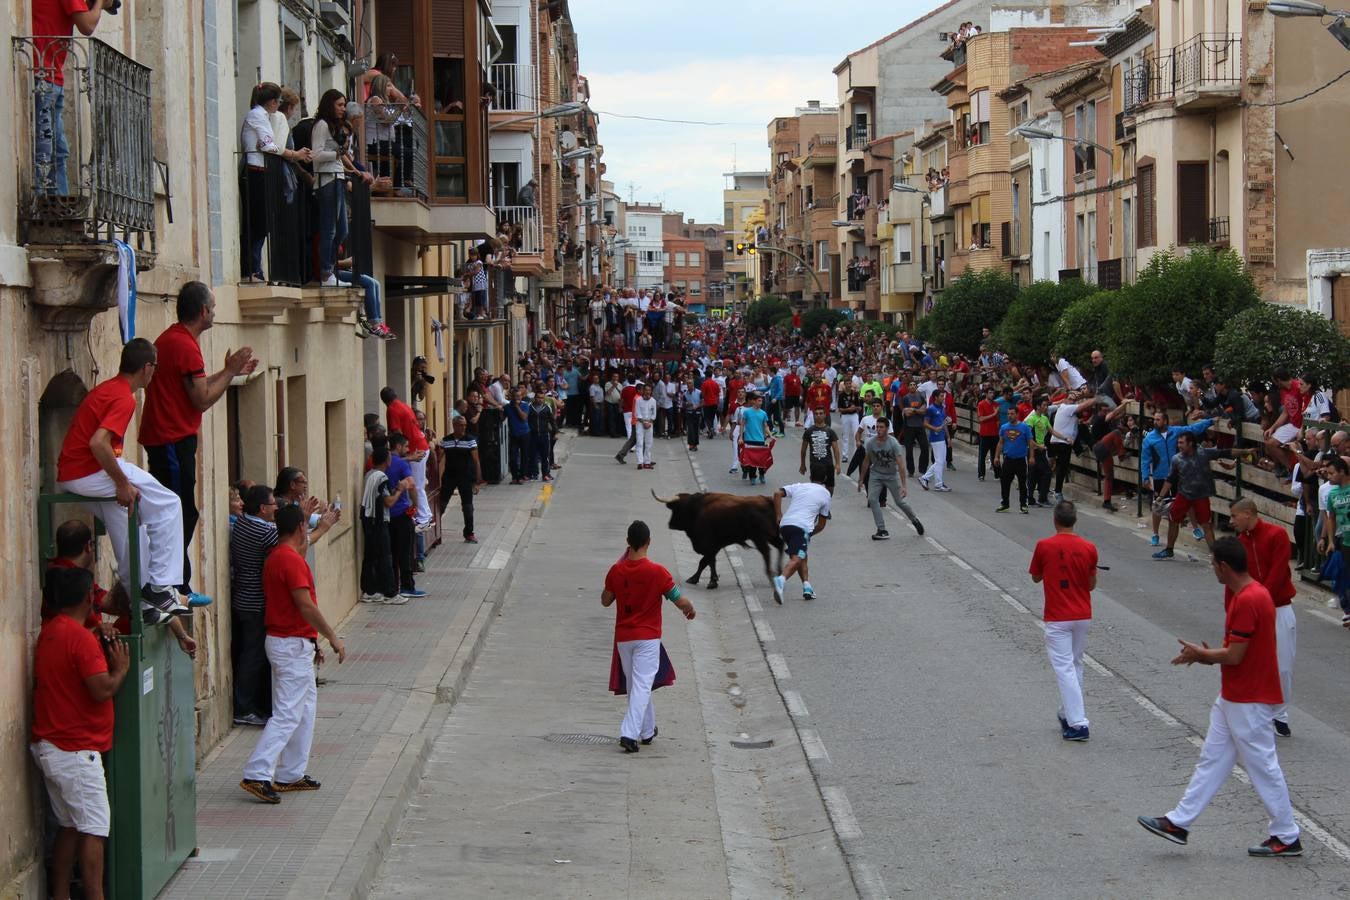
(1239, 721)
(400, 417)
(174, 402)
(1066, 566)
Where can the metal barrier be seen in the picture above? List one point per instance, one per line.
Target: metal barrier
(152, 767)
(395, 149)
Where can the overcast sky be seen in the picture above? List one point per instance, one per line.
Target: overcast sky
(742, 63)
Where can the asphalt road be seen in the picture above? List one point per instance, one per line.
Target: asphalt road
(925, 677)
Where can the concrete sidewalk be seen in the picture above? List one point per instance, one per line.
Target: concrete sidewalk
(377, 715)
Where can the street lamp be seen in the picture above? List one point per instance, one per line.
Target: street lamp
(579, 153)
(562, 110)
(1289, 9)
(1031, 132)
(904, 188)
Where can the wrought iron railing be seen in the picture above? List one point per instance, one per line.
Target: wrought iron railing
(858, 136)
(396, 149)
(1203, 61)
(522, 224)
(88, 163)
(1218, 230)
(514, 84)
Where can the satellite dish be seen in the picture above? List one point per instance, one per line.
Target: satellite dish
(567, 140)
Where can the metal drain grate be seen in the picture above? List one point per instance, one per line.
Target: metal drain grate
(580, 738)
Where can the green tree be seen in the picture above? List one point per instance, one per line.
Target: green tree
(766, 310)
(970, 303)
(1258, 340)
(1174, 311)
(1025, 332)
(1082, 327)
(816, 319)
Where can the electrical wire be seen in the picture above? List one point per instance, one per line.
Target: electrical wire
(1303, 96)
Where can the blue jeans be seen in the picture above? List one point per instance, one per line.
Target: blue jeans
(50, 150)
(372, 288)
(332, 224)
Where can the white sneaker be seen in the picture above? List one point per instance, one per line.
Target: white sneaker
(330, 281)
(372, 598)
(942, 487)
(1333, 603)
(396, 600)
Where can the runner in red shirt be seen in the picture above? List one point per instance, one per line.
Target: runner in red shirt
(400, 417)
(819, 396)
(1066, 565)
(792, 396)
(1239, 721)
(638, 584)
(74, 681)
(1268, 553)
(711, 392)
(174, 402)
(986, 415)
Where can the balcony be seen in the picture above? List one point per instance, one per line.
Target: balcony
(1218, 231)
(1202, 73)
(514, 86)
(858, 136)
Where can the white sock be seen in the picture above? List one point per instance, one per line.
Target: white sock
(806, 586)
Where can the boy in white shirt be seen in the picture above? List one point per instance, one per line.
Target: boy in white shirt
(807, 514)
(644, 422)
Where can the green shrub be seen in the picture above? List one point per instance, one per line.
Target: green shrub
(816, 319)
(975, 301)
(766, 310)
(1081, 328)
(1025, 333)
(1258, 340)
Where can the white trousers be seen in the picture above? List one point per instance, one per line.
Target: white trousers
(1286, 640)
(1239, 733)
(848, 424)
(422, 515)
(161, 524)
(1064, 642)
(939, 466)
(627, 424)
(735, 451)
(282, 752)
(644, 444)
(810, 419)
(640, 660)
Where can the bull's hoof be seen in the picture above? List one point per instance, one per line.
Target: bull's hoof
(712, 583)
(692, 579)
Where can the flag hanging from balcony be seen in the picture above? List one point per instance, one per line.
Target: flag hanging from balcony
(126, 289)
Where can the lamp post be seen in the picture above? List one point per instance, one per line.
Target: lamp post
(561, 111)
(1040, 134)
(1290, 9)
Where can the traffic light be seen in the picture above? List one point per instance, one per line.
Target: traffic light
(740, 248)
(750, 249)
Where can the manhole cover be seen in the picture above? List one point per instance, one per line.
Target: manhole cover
(580, 738)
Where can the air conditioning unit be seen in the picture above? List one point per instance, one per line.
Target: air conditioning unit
(336, 14)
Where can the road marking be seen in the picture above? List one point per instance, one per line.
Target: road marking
(960, 562)
(935, 545)
(984, 581)
(752, 604)
(778, 666)
(795, 706)
(546, 494)
(762, 629)
(1159, 713)
(841, 811)
(1013, 602)
(1097, 667)
(815, 749)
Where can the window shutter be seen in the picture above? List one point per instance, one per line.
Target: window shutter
(394, 29)
(447, 28)
(1192, 203)
(1145, 230)
(1005, 239)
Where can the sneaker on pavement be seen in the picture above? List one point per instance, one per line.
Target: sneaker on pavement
(1198, 533)
(470, 539)
(1079, 733)
(1282, 728)
(882, 535)
(1164, 553)
(647, 740)
(372, 598)
(394, 600)
(1273, 846)
(629, 745)
(412, 594)
(1024, 511)
(779, 583)
(943, 488)
(923, 482)
(1163, 828)
(263, 790)
(252, 719)
(1032, 503)
(304, 784)
(1063, 722)
(808, 593)
(918, 526)
(1154, 540)
(1106, 505)
(1003, 508)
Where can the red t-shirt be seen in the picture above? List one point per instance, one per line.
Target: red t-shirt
(63, 712)
(54, 18)
(1251, 617)
(95, 613)
(1023, 410)
(988, 427)
(1065, 563)
(627, 397)
(110, 405)
(818, 395)
(638, 586)
(170, 414)
(1291, 399)
(1268, 561)
(712, 392)
(400, 417)
(792, 385)
(284, 571)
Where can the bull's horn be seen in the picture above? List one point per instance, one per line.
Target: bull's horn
(660, 499)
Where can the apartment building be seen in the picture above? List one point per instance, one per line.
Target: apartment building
(743, 203)
(684, 266)
(645, 223)
(710, 233)
(801, 202)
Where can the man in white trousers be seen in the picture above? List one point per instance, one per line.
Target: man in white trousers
(935, 425)
(1065, 565)
(1267, 546)
(294, 623)
(644, 426)
(91, 464)
(638, 585)
(1239, 721)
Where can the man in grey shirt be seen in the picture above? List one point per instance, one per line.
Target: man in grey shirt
(880, 470)
(1192, 483)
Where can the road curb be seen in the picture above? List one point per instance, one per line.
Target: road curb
(362, 864)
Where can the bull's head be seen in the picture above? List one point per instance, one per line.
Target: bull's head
(683, 508)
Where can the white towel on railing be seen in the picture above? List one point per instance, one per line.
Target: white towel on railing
(126, 289)
(436, 328)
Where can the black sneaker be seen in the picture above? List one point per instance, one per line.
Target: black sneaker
(1106, 505)
(655, 732)
(1079, 733)
(882, 535)
(1273, 846)
(161, 598)
(918, 526)
(1025, 511)
(629, 745)
(304, 784)
(1165, 829)
(151, 616)
(1033, 503)
(1282, 728)
(1003, 508)
(263, 790)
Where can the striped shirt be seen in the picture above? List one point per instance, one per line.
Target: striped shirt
(251, 540)
(459, 458)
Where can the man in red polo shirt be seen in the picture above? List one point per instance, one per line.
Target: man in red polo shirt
(294, 623)
(818, 396)
(400, 417)
(174, 402)
(74, 682)
(1268, 552)
(91, 464)
(1239, 721)
(711, 392)
(55, 19)
(792, 396)
(1066, 566)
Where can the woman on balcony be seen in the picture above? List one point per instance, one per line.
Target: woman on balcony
(331, 140)
(258, 139)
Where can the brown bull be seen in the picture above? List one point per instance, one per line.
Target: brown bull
(716, 521)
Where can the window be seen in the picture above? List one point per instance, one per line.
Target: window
(651, 257)
(1127, 226)
(680, 285)
(822, 256)
(449, 123)
(695, 287)
(1085, 127)
(695, 259)
(1147, 201)
(1045, 181)
(1080, 244)
(1016, 243)
(1192, 203)
(680, 259)
(980, 229)
(297, 423)
(979, 117)
(904, 242)
(340, 480)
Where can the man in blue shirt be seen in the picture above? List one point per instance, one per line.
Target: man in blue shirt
(1155, 459)
(402, 533)
(935, 423)
(518, 421)
(776, 401)
(572, 405)
(754, 430)
(1009, 400)
(1014, 444)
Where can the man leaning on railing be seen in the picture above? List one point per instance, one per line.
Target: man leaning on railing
(54, 22)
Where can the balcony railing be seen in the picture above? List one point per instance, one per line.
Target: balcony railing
(858, 136)
(522, 224)
(1218, 230)
(396, 149)
(1204, 64)
(81, 102)
(280, 223)
(514, 84)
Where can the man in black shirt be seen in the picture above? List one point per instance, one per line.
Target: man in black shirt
(461, 473)
(914, 407)
(821, 444)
